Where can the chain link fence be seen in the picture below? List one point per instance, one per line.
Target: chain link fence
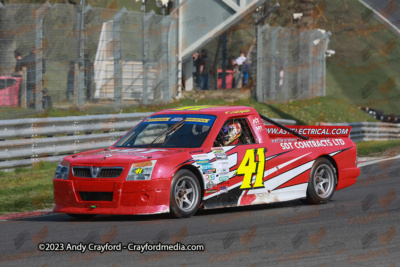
(290, 63)
(67, 55)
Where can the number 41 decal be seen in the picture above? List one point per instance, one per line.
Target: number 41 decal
(250, 166)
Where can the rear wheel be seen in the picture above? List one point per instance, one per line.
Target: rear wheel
(185, 194)
(82, 217)
(322, 182)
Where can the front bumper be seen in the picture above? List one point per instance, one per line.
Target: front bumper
(124, 197)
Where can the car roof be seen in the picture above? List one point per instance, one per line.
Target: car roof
(220, 111)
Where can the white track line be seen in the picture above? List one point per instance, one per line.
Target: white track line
(376, 161)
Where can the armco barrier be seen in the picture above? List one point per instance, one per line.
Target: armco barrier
(369, 131)
(27, 141)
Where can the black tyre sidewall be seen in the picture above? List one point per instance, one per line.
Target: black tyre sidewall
(175, 210)
(312, 197)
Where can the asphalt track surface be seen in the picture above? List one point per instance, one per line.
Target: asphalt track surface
(358, 227)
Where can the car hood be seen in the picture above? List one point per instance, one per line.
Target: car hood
(121, 156)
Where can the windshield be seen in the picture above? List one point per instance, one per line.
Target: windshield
(177, 130)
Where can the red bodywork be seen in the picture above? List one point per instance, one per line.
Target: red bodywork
(286, 171)
(9, 90)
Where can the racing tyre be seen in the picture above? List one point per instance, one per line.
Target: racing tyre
(185, 194)
(322, 182)
(82, 217)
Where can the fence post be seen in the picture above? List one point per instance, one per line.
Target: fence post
(272, 89)
(259, 69)
(38, 64)
(144, 59)
(117, 55)
(165, 67)
(81, 43)
(23, 88)
(38, 47)
(76, 85)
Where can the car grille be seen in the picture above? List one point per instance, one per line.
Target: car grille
(96, 196)
(85, 172)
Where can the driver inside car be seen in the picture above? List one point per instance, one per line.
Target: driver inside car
(231, 133)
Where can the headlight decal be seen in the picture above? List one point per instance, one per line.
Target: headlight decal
(141, 171)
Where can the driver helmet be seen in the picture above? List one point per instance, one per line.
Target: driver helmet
(231, 133)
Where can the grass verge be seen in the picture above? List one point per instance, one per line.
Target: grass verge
(378, 148)
(308, 111)
(27, 189)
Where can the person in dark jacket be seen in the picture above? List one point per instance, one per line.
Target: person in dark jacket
(89, 72)
(205, 67)
(29, 62)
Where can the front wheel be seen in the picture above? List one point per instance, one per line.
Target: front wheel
(185, 194)
(322, 182)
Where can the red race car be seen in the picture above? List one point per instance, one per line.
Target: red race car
(182, 159)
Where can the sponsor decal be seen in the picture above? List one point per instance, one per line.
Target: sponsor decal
(196, 151)
(210, 191)
(177, 119)
(223, 189)
(200, 157)
(209, 171)
(309, 131)
(158, 119)
(224, 171)
(197, 120)
(311, 144)
(256, 121)
(241, 111)
(210, 177)
(142, 164)
(206, 166)
(223, 178)
(210, 185)
(204, 161)
(259, 128)
(221, 156)
(217, 149)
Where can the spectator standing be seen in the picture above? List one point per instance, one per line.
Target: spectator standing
(246, 72)
(232, 65)
(241, 58)
(18, 72)
(29, 62)
(88, 71)
(70, 80)
(205, 67)
(244, 67)
(18, 59)
(196, 67)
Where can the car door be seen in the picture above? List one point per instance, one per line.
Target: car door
(233, 165)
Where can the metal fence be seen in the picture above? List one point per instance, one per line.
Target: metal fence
(27, 141)
(74, 55)
(290, 63)
(372, 131)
